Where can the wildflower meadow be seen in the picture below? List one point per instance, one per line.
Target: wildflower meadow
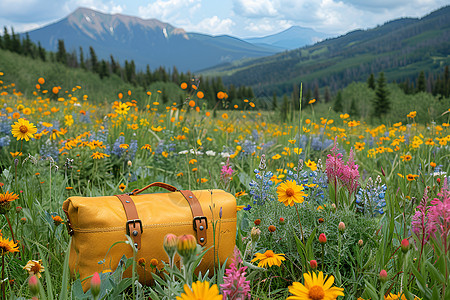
(328, 207)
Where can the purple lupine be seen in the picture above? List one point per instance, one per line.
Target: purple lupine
(235, 286)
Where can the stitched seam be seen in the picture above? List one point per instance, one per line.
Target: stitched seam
(111, 229)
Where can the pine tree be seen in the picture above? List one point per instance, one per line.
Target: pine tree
(354, 112)
(41, 52)
(6, 39)
(338, 103)
(95, 67)
(82, 62)
(61, 55)
(381, 104)
(285, 107)
(371, 81)
(421, 85)
(274, 101)
(327, 95)
(316, 93)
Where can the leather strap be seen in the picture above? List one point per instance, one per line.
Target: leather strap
(200, 222)
(134, 224)
(68, 224)
(163, 185)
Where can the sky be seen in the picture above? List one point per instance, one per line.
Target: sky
(240, 18)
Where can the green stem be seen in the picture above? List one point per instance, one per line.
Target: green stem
(3, 274)
(301, 228)
(323, 251)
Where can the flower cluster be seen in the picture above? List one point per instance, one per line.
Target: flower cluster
(260, 189)
(235, 285)
(371, 199)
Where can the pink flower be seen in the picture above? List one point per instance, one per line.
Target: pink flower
(235, 285)
(95, 284)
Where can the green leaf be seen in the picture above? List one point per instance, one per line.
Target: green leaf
(435, 272)
(65, 276)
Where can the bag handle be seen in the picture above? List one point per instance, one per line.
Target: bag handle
(163, 185)
(134, 224)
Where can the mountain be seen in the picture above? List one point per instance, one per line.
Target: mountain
(291, 38)
(144, 41)
(400, 48)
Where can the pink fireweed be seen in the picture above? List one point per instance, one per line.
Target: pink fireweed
(226, 172)
(235, 286)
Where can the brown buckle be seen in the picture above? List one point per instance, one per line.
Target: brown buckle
(69, 228)
(200, 218)
(134, 221)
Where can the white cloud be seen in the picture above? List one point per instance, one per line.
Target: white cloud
(169, 10)
(213, 25)
(267, 26)
(254, 8)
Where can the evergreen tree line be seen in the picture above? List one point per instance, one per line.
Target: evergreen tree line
(128, 72)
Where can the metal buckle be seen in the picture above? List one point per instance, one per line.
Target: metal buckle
(134, 221)
(132, 192)
(200, 218)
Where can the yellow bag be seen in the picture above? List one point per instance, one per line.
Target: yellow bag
(96, 223)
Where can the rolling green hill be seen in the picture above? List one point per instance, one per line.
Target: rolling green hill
(25, 71)
(400, 48)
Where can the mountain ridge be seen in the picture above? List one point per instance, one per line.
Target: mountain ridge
(401, 48)
(146, 41)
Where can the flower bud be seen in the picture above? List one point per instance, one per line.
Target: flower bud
(186, 245)
(18, 209)
(341, 227)
(129, 163)
(333, 205)
(95, 285)
(153, 262)
(170, 244)
(272, 228)
(313, 264)
(405, 245)
(257, 222)
(23, 220)
(322, 238)
(142, 262)
(383, 276)
(360, 243)
(255, 234)
(33, 284)
(282, 221)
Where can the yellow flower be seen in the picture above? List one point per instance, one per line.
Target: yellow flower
(99, 155)
(34, 267)
(276, 156)
(289, 192)
(147, 147)
(122, 187)
(68, 120)
(298, 150)
(157, 129)
(14, 154)
(312, 165)
(292, 141)
(411, 177)
(122, 108)
(225, 115)
(192, 161)
(359, 146)
(391, 296)
(401, 175)
(8, 197)
(124, 146)
(412, 114)
(7, 246)
(312, 101)
(406, 157)
(23, 129)
(269, 258)
(316, 288)
(240, 194)
(200, 290)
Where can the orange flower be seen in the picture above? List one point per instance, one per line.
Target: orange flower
(41, 80)
(192, 103)
(200, 94)
(184, 85)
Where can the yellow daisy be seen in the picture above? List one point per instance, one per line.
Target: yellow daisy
(268, 258)
(289, 192)
(34, 267)
(7, 246)
(200, 290)
(23, 129)
(316, 288)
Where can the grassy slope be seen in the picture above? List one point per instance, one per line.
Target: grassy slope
(24, 72)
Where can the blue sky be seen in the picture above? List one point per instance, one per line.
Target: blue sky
(241, 18)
